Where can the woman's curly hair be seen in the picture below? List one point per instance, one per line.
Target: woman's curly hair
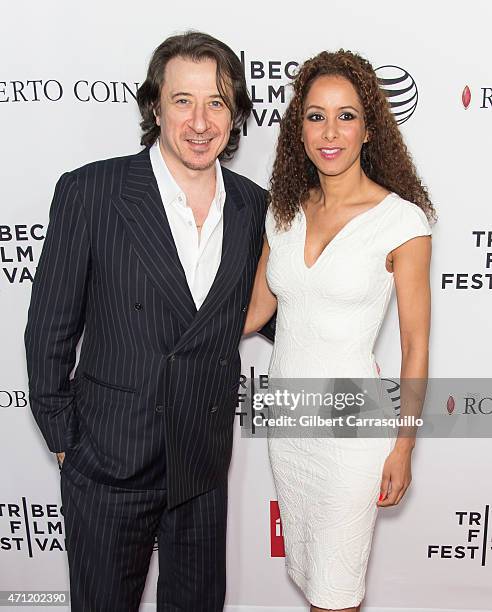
(384, 159)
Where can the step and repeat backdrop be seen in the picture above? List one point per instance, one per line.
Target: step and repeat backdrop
(68, 77)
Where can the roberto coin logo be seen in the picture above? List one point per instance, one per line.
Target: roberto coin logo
(466, 97)
(482, 97)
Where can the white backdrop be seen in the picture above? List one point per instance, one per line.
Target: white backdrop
(46, 48)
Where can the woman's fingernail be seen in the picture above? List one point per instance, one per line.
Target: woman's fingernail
(380, 497)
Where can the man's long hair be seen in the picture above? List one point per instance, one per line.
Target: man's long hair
(196, 46)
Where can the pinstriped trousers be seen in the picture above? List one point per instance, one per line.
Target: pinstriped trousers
(110, 533)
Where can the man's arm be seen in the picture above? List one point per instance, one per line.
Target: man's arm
(57, 312)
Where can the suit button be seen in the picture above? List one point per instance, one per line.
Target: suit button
(138, 306)
(159, 408)
(223, 362)
(171, 357)
(244, 308)
(214, 409)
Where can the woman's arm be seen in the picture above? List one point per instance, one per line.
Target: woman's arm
(263, 302)
(411, 269)
(411, 264)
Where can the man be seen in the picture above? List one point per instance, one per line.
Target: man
(153, 256)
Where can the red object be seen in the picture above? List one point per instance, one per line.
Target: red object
(277, 547)
(466, 97)
(450, 404)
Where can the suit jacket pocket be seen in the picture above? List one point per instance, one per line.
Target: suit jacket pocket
(103, 383)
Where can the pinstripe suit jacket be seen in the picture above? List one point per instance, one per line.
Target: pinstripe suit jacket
(153, 399)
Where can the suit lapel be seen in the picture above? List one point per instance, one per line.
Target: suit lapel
(235, 242)
(141, 209)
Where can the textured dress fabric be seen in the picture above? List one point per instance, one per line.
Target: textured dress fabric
(328, 318)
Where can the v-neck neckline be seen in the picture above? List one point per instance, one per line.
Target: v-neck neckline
(340, 232)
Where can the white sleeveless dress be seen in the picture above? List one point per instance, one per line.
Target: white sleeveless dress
(328, 319)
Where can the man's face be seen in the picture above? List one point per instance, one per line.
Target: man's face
(194, 119)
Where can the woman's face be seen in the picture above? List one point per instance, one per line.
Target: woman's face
(333, 126)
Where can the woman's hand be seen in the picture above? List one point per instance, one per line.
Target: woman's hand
(397, 476)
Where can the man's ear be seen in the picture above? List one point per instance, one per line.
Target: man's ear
(156, 115)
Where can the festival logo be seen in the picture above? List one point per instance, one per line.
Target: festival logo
(477, 278)
(20, 246)
(30, 528)
(267, 81)
(474, 543)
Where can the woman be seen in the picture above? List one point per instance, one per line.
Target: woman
(348, 220)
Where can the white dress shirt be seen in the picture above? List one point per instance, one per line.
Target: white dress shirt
(199, 253)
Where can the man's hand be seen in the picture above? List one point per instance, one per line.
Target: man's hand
(60, 458)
